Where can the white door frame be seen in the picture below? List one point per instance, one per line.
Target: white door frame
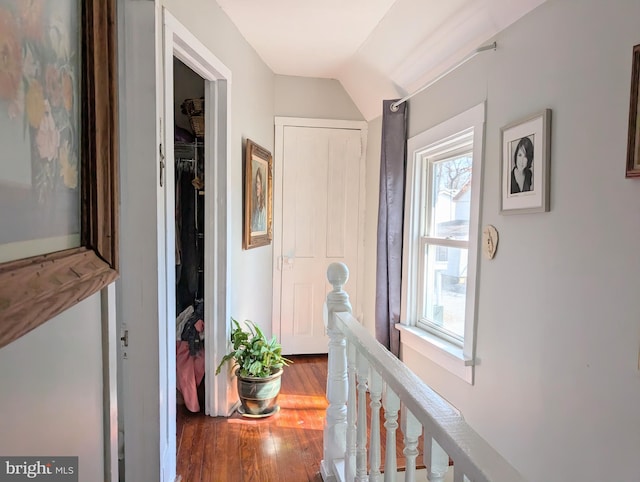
(280, 124)
(179, 42)
(140, 306)
(146, 289)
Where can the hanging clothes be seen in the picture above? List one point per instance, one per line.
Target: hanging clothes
(187, 273)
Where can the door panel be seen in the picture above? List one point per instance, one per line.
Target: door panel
(320, 206)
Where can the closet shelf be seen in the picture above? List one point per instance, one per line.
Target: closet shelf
(187, 150)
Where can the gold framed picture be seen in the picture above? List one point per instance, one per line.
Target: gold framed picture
(258, 196)
(633, 138)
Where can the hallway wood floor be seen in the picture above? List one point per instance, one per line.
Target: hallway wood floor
(286, 447)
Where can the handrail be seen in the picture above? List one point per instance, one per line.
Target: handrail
(473, 457)
(446, 425)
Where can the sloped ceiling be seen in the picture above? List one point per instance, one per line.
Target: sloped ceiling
(377, 49)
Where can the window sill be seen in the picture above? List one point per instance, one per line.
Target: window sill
(447, 355)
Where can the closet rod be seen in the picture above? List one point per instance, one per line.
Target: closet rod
(394, 107)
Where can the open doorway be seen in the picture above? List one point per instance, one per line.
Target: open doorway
(190, 214)
(197, 68)
(196, 110)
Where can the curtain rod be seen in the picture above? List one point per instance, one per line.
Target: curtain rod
(395, 105)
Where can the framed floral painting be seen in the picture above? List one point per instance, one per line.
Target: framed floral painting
(40, 128)
(58, 167)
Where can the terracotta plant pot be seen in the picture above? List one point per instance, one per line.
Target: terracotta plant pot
(258, 396)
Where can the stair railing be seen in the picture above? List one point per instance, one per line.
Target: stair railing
(357, 365)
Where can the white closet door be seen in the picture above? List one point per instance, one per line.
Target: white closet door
(320, 219)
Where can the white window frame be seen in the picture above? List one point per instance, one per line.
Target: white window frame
(457, 359)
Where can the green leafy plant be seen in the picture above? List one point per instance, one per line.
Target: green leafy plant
(255, 355)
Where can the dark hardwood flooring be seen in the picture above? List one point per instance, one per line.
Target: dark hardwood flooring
(286, 447)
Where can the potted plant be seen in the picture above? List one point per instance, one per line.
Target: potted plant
(259, 364)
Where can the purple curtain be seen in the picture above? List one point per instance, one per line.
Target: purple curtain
(390, 221)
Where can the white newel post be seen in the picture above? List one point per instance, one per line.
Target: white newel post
(335, 428)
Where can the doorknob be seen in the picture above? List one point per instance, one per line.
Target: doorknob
(285, 262)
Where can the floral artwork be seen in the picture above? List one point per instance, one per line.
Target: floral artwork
(39, 117)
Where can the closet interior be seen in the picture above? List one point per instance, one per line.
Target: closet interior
(189, 176)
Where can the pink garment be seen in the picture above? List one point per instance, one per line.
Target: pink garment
(199, 326)
(190, 371)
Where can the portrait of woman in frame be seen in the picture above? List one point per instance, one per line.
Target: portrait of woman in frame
(258, 197)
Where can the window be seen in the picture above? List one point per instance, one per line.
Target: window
(441, 241)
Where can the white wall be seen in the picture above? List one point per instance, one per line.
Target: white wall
(51, 397)
(313, 98)
(557, 385)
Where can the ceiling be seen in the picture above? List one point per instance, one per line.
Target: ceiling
(377, 49)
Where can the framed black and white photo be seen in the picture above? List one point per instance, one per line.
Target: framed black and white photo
(526, 154)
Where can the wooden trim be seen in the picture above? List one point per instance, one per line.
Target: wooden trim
(35, 289)
(632, 149)
(100, 173)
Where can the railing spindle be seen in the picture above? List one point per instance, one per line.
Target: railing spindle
(361, 442)
(412, 429)
(375, 391)
(436, 460)
(350, 456)
(391, 407)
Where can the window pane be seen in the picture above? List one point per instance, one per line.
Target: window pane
(445, 289)
(451, 190)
